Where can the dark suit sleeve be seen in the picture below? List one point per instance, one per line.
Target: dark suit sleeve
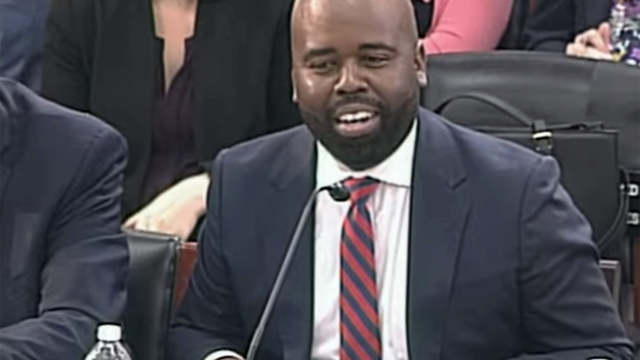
(84, 274)
(208, 319)
(282, 112)
(65, 73)
(567, 310)
(551, 26)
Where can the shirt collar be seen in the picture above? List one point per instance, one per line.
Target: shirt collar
(395, 170)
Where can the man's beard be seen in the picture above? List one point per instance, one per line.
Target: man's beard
(364, 152)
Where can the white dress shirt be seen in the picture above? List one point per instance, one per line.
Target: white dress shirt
(389, 206)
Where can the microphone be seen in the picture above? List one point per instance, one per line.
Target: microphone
(339, 193)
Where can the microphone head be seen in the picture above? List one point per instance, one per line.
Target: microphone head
(339, 192)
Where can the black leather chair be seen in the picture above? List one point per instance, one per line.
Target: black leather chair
(547, 86)
(153, 262)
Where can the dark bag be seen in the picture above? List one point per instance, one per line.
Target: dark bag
(587, 154)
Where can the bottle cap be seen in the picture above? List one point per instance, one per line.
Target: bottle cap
(109, 333)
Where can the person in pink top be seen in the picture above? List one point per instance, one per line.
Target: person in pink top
(466, 25)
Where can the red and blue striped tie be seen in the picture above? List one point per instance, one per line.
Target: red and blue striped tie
(359, 324)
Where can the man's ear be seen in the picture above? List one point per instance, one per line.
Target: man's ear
(420, 63)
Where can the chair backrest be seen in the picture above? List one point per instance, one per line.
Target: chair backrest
(152, 268)
(551, 87)
(186, 262)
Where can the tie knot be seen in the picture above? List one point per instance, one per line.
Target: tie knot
(361, 188)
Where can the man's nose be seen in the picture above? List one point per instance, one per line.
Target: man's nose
(351, 80)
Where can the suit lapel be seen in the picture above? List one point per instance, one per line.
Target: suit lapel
(291, 184)
(439, 212)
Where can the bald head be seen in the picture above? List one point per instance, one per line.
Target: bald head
(395, 16)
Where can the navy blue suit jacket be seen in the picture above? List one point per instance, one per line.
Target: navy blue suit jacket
(63, 260)
(501, 263)
(555, 23)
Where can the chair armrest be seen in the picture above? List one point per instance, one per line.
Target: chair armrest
(613, 273)
(186, 260)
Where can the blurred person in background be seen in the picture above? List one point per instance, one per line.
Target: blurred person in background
(576, 27)
(181, 79)
(22, 24)
(448, 26)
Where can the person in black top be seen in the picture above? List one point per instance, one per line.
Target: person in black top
(181, 80)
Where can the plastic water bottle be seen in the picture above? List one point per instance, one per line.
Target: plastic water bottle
(618, 20)
(625, 31)
(108, 346)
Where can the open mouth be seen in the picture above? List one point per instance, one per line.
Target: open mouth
(356, 122)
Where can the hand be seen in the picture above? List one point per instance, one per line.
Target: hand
(175, 211)
(592, 44)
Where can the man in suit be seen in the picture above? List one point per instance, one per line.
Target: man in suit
(575, 27)
(453, 245)
(22, 40)
(63, 259)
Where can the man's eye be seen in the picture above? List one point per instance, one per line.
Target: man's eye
(322, 65)
(375, 61)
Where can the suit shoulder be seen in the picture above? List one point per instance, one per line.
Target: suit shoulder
(264, 149)
(487, 154)
(49, 123)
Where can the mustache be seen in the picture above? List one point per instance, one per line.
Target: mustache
(355, 99)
